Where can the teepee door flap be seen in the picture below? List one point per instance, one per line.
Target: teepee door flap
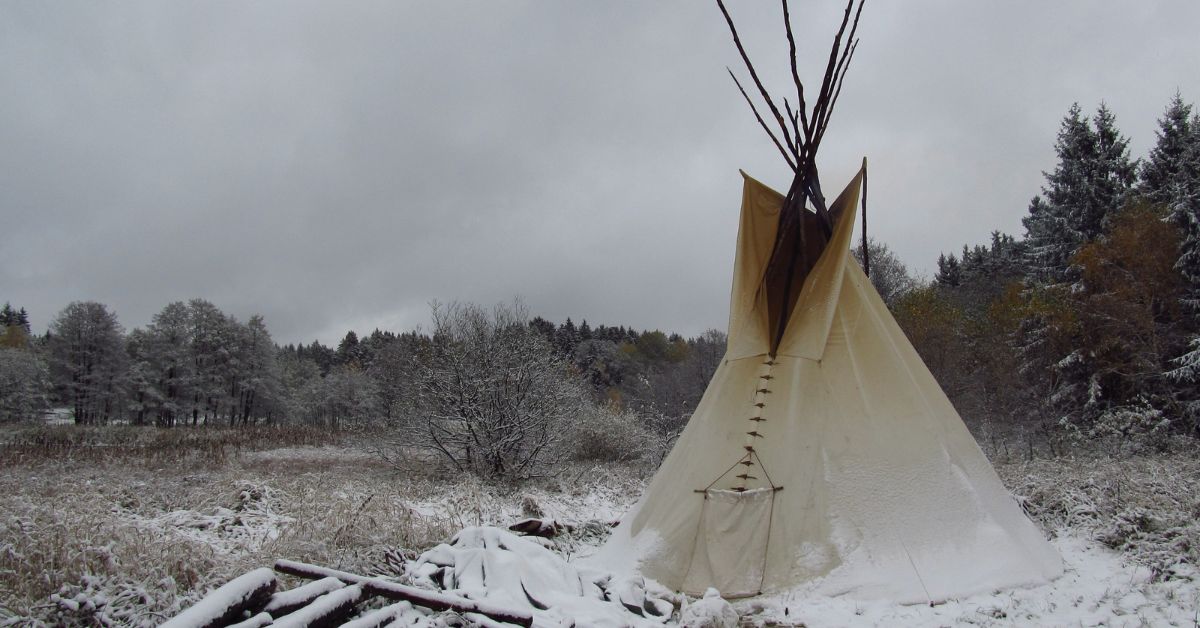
(730, 552)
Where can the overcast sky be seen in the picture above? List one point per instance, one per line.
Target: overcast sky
(337, 165)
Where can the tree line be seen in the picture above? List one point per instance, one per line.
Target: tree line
(1087, 325)
(196, 365)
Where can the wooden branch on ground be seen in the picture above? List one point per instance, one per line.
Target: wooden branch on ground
(330, 609)
(420, 597)
(227, 603)
(258, 621)
(286, 602)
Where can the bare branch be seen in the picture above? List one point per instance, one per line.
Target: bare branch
(787, 22)
(792, 117)
(754, 75)
(839, 73)
(821, 109)
(866, 252)
(778, 145)
(837, 92)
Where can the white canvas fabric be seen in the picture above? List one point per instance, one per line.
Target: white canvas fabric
(881, 490)
(731, 541)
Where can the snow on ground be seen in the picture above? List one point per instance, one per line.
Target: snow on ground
(336, 507)
(247, 526)
(1098, 588)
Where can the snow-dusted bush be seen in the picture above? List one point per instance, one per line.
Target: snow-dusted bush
(609, 435)
(1145, 506)
(24, 385)
(1135, 427)
(494, 399)
(1137, 423)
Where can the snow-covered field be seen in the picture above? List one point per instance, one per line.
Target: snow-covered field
(132, 542)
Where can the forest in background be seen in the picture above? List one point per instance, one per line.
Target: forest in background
(1084, 329)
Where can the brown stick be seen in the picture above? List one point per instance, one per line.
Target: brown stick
(787, 22)
(838, 91)
(737, 41)
(760, 120)
(420, 597)
(866, 249)
(842, 66)
(821, 108)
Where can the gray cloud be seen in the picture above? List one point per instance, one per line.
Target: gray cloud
(338, 165)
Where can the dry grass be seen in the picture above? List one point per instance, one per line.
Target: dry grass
(93, 540)
(126, 528)
(114, 530)
(147, 446)
(1148, 507)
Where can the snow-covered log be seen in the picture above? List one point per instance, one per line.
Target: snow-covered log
(386, 616)
(258, 621)
(246, 592)
(328, 610)
(285, 602)
(391, 590)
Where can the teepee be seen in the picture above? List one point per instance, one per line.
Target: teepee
(823, 455)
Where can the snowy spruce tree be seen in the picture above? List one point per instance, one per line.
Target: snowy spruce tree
(1181, 193)
(1090, 184)
(1160, 174)
(1092, 181)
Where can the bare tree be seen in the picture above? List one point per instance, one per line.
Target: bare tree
(24, 385)
(87, 361)
(493, 398)
(889, 275)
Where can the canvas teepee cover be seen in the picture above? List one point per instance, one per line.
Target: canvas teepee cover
(838, 463)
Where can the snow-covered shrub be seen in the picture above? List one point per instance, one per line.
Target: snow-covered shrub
(1137, 424)
(609, 435)
(24, 385)
(494, 399)
(1146, 506)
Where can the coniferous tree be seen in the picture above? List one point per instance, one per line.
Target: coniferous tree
(948, 273)
(1185, 213)
(1112, 176)
(566, 338)
(1091, 181)
(1160, 173)
(543, 327)
(348, 349)
(1085, 191)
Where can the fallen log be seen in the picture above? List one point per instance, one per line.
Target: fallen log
(258, 621)
(285, 602)
(420, 597)
(326, 611)
(227, 603)
(382, 617)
